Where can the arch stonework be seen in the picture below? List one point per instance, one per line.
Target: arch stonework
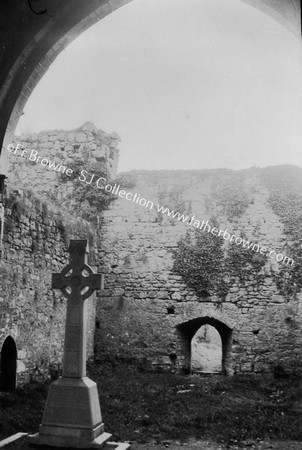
(190, 318)
(188, 329)
(288, 13)
(227, 316)
(31, 42)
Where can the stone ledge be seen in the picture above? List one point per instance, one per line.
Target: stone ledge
(67, 441)
(12, 438)
(116, 446)
(29, 445)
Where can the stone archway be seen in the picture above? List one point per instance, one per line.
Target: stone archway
(8, 365)
(186, 332)
(32, 37)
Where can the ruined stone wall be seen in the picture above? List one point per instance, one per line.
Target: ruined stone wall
(39, 224)
(33, 314)
(36, 238)
(70, 149)
(147, 312)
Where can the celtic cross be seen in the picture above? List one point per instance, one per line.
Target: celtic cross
(77, 282)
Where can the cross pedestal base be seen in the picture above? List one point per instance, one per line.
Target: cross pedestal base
(72, 416)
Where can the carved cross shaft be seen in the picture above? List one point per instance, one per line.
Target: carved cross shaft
(77, 282)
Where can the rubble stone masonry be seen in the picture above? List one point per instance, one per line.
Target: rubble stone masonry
(32, 313)
(148, 314)
(35, 244)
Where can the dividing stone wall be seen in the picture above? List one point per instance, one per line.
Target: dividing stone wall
(37, 230)
(33, 314)
(149, 315)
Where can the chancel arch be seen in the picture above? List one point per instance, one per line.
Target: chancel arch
(34, 33)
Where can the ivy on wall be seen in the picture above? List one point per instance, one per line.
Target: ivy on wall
(86, 199)
(27, 203)
(229, 194)
(198, 259)
(284, 184)
(209, 264)
(210, 267)
(244, 264)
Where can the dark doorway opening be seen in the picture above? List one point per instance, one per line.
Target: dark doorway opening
(186, 332)
(8, 365)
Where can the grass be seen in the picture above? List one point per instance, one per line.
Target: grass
(22, 409)
(146, 406)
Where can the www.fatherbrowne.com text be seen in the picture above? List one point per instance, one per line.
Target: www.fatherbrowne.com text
(101, 183)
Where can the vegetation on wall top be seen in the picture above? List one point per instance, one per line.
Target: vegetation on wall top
(85, 199)
(26, 203)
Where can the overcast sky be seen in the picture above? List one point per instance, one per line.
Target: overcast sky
(187, 84)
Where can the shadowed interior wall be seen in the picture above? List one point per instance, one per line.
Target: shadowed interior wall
(32, 313)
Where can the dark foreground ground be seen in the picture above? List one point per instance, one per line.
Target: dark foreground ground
(157, 411)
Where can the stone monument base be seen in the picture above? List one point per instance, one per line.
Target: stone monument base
(71, 442)
(72, 416)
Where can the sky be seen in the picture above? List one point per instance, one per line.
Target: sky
(187, 84)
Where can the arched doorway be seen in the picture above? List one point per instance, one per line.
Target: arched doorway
(8, 365)
(206, 350)
(207, 336)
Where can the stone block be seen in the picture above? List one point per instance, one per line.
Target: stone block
(20, 366)
(114, 135)
(81, 137)
(22, 354)
(277, 299)
(72, 416)
(53, 138)
(43, 137)
(89, 127)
